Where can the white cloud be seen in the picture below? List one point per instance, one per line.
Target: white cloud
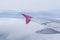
(17, 27)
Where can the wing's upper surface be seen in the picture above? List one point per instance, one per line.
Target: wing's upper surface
(45, 21)
(51, 23)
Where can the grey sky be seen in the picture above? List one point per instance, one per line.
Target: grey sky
(29, 5)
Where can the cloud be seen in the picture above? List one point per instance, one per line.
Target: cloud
(44, 14)
(16, 28)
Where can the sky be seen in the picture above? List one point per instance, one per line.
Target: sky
(29, 5)
(43, 8)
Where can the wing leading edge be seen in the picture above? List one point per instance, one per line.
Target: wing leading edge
(40, 20)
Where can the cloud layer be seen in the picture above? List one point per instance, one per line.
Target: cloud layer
(16, 28)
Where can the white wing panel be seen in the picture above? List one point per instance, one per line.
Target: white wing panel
(41, 20)
(55, 24)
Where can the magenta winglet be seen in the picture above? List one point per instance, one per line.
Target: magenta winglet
(27, 18)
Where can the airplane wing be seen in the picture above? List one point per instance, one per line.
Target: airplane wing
(44, 21)
(51, 23)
